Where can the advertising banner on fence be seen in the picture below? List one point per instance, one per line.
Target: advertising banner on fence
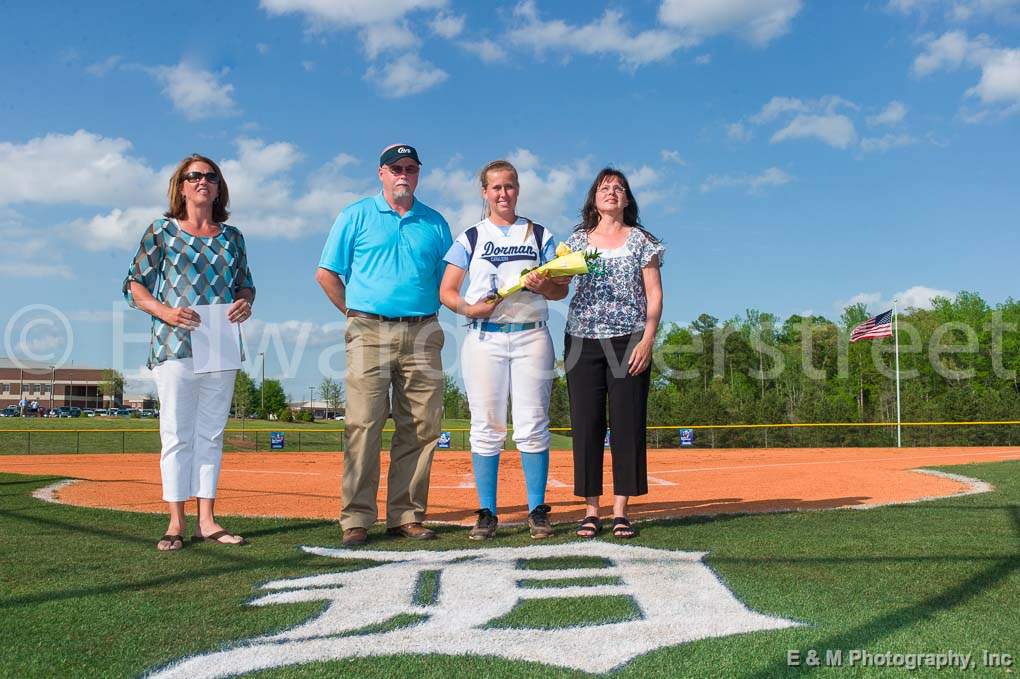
(686, 438)
(276, 440)
(444, 440)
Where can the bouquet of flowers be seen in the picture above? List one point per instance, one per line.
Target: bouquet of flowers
(567, 263)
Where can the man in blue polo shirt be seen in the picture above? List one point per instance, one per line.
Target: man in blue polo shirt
(381, 267)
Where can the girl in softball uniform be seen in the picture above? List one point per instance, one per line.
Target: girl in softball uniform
(508, 349)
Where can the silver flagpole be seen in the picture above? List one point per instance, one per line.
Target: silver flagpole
(896, 338)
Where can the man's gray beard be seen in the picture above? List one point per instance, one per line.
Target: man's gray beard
(402, 193)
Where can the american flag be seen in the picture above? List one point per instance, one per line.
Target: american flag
(876, 326)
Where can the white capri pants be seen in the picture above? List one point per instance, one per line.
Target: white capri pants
(193, 410)
(518, 365)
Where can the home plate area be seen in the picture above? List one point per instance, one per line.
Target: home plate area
(463, 602)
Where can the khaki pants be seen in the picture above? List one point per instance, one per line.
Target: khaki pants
(404, 357)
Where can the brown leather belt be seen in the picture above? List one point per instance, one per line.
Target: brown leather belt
(389, 319)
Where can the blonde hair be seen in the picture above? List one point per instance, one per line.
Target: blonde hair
(483, 177)
(179, 209)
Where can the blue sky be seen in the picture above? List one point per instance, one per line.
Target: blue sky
(794, 156)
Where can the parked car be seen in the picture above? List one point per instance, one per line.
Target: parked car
(123, 412)
(147, 412)
(64, 411)
(10, 411)
(88, 412)
(52, 412)
(75, 412)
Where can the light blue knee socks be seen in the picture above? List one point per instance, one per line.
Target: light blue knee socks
(486, 475)
(536, 473)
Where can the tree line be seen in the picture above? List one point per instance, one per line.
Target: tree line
(958, 362)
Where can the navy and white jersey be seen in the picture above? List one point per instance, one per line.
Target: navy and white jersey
(494, 257)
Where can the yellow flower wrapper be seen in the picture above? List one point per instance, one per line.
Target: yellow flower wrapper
(573, 264)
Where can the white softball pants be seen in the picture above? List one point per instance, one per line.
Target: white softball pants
(515, 365)
(193, 410)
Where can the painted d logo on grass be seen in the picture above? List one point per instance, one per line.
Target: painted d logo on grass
(468, 597)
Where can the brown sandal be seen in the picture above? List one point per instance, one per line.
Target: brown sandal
(215, 537)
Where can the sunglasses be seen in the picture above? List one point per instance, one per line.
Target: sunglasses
(193, 177)
(403, 169)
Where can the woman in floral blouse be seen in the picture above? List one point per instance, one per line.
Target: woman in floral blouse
(611, 328)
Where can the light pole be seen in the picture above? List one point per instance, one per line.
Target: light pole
(52, 369)
(262, 385)
(311, 405)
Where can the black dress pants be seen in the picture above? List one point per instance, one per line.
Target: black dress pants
(597, 372)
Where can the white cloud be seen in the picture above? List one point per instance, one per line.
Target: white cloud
(195, 92)
(892, 114)
(259, 178)
(756, 21)
(410, 75)
(671, 156)
(101, 68)
(738, 132)
(378, 38)
(523, 159)
(886, 142)
(326, 14)
(607, 35)
(265, 202)
(703, 59)
(949, 51)
(920, 297)
(916, 297)
(1000, 79)
(457, 196)
(79, 168)
(23, 270)
(263, 197)
(118, 229)
(777, 106)
(835, 130)
(308, 65)
(447, 26)
(958, 10)
(262, 48)
(772, 176)
(260, 334)
(28, 251)
(330, 189)
(644, 183)
(485, 49)
(1000, 69)
(383, 28)
(545, 192)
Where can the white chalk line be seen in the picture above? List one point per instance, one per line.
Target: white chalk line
(805, 464)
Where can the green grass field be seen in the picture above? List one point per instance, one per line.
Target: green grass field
(84, 593)
(115, 434)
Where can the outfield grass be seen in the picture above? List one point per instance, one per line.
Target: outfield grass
(117, 434)
(83, 592)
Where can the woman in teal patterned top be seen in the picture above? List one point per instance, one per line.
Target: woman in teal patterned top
(190, 257)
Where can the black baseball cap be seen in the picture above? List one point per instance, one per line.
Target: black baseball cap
(395, 153)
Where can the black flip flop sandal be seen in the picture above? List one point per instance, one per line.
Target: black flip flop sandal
(215, 537)
(172, 539)
(589, 527)
(622, 529)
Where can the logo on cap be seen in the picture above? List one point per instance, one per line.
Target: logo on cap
(403, 149)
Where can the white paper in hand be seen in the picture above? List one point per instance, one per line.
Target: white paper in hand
(216, 342)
